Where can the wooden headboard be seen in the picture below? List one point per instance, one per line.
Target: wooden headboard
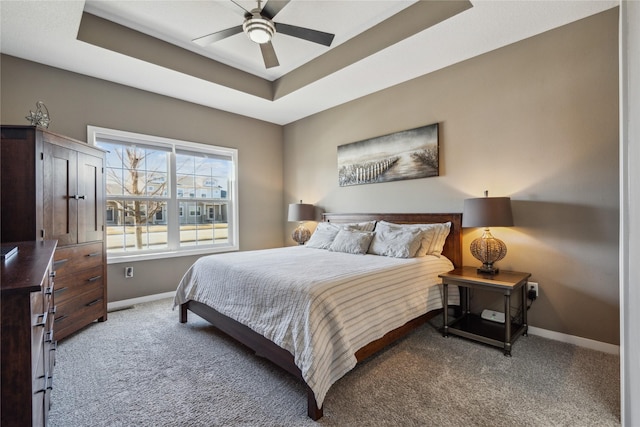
(453, 245)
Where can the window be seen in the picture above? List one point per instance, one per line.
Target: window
(167, 197)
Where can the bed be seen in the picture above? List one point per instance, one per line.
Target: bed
(316, 338)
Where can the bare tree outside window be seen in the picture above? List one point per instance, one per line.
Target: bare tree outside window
(165, 197)
(140, 176)
(140, 187)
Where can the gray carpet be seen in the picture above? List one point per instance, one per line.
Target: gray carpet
(143, 368)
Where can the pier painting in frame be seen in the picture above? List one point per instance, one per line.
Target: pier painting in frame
(409, 154)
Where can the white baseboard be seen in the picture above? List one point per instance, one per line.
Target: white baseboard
(557, 336)
(126, 303)
(579, 341)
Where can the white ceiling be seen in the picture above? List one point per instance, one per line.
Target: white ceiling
(45, 32)
(179, 22)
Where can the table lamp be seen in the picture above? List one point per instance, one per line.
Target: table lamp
(487, 212)
(301, 212)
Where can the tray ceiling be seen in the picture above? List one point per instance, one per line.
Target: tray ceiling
(378, 44)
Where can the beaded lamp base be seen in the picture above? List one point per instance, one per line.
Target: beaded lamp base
(487, 249)
(301, 234)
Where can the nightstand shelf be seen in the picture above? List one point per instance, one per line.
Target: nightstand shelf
(474, 327)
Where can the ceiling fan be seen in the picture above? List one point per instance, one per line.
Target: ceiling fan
(259, 27)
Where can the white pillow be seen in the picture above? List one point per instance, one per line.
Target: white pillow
(441, 237)
(323, 235)
(433, 236)
(362, 226)
(351, 241)
(398, 243)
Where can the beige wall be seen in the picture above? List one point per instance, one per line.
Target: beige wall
(536, 121)
(75, 101)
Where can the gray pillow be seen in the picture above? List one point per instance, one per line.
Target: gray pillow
(433, 235)
(397, 243)
(351, 241)
(323, 236)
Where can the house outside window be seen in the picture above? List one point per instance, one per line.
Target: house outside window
(159, 194)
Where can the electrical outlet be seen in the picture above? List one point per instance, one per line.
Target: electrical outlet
(533, 286)
(128, 272)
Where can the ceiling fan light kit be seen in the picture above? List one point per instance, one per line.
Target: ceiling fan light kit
(258, 25)
(258, 29)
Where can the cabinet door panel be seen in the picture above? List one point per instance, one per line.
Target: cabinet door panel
(91, 207)
(60, 186)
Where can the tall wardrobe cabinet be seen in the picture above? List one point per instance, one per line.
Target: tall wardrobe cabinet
(53, 188)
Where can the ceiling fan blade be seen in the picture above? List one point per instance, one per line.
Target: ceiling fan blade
(214, 37)
(305, 33)
(272, 8)
(240, 6)
(269, 55)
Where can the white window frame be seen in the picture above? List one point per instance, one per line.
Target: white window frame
(94, 133)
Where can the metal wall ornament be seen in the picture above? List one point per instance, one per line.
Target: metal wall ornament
(40, 117)
(409, 154)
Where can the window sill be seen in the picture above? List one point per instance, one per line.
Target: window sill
(121, 258)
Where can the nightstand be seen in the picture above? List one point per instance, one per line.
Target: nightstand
(473, 326)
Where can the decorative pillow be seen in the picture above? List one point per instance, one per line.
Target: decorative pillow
(362, 226)
(351, 241)
(323, 235)
(398, 243)
(438, 241)
(433, 236)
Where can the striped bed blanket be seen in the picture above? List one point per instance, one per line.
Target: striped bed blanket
(319, 305)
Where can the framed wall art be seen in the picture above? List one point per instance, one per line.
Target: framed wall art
(409, 154)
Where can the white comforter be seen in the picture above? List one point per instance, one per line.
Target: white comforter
(319, 305)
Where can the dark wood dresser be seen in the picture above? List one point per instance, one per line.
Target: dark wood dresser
(53, 187)
(28, 346)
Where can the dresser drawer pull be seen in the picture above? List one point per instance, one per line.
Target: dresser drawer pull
(42, 316)
(94, 302)
(53, 309)
(48, 337)
(93, 279)
(52, 274)
(60, 261)
(59, 291)
(94, 254)
(78, 197)
(47, 383)
(61, 318)
(48, 290)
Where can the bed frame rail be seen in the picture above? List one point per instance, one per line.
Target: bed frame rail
(283, 358)
(257, 343)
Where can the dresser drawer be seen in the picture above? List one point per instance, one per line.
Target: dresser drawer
(94, 295)
(41, 385)
(82, 311)
(68, 260)
(69, 287)
(39, 320)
